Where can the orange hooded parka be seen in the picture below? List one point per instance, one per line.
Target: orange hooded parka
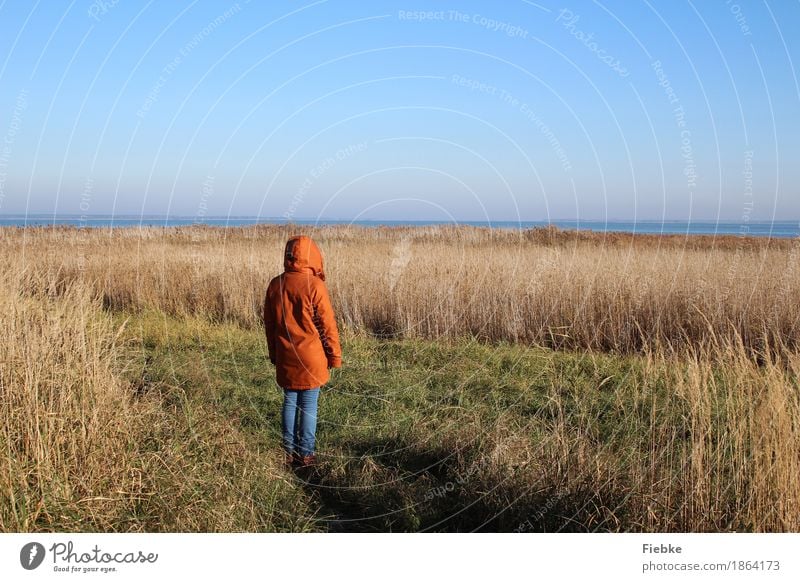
(302, 336)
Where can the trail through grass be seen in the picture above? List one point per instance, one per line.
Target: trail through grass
(451, 436)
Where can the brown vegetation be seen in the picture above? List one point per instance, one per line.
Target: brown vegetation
(575, 290)
(696, 430)
(82, 449)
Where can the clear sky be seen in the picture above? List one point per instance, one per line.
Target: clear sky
(401, 110)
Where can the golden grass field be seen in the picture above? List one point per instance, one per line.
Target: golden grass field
(568, 290)
(681, 411)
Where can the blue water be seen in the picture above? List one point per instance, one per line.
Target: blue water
(782, 229)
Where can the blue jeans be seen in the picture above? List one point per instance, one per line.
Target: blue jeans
(300, 420)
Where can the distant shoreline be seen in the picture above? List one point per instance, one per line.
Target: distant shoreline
(757, 229)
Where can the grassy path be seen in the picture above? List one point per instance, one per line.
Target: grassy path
(421, 435)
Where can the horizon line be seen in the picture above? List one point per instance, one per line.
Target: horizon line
(284, 219)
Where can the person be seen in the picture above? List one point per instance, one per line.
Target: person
(303, 344)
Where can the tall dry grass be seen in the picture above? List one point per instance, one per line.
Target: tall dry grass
(708, 439)
(741, 457)
(537, 440)
(65, 432)
(567, 290)
(82, 449)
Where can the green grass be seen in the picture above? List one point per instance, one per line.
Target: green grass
(419, 435)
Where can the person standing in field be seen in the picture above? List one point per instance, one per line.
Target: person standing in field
(303, 343)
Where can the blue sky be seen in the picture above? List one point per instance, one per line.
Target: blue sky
(509, 110)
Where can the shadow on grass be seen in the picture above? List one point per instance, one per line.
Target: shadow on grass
(393, 486)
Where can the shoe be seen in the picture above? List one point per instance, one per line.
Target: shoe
(292, 460)
(307, 461)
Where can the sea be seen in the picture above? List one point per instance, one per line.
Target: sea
(775, 229)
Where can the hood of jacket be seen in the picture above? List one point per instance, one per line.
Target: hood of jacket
(302, 255)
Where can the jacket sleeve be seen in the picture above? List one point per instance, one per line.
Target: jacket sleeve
(326, 326)
(269, 327)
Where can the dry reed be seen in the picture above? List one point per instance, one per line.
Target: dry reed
(81, 450)
(710, 438)
(575, 290)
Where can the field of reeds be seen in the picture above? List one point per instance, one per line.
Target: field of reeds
(509, 381)
(567, 290)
